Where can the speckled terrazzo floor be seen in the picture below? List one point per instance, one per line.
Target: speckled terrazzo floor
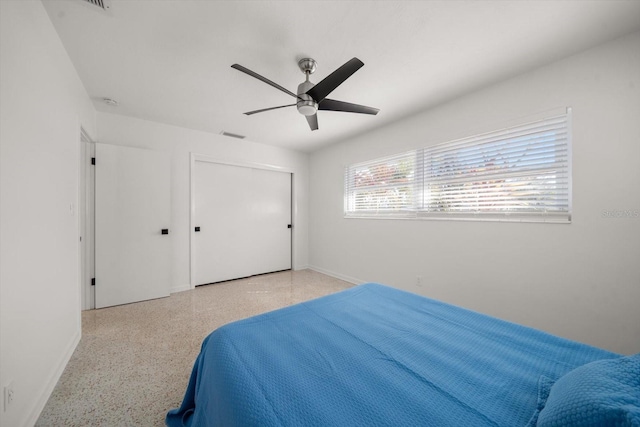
(133, 361)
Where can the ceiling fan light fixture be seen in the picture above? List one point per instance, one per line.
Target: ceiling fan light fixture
(307, 107)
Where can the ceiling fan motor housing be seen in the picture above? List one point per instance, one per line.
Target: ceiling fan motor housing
(306, 105)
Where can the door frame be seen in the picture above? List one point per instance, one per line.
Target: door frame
(86, 216)
(195, 157)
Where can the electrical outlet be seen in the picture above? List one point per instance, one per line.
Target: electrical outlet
(9, 395)
(419, 281)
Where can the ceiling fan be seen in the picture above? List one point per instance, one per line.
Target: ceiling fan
(313, 97)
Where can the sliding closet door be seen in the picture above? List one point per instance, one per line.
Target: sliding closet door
(132, 210)
(221, 215)
(271, 216)
(242, 217)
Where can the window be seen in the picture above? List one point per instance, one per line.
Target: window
(517, 174)
(382, 187)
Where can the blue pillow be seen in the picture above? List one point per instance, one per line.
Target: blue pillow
(601, 393)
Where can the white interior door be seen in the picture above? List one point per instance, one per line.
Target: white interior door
(132, 208)
(242, 217)
(271, 217)
(222, 242)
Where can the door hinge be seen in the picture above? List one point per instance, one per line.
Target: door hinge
(93, 281)
(93, 160)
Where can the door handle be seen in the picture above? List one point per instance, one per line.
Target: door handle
(165, 231)
(197, 229)
(289, 226)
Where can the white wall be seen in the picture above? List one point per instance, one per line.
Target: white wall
(180, 142)
(42, 106)
(581, 280)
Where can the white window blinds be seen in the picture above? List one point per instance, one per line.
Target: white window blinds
(382, 187)
(522, 173)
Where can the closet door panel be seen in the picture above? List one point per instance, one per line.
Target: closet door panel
(242, 216)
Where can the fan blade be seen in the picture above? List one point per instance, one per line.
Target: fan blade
(333, 105)
(335, 79)
(267, 109)
(313, 121)
(264, 79)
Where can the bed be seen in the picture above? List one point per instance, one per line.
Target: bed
(373, 355)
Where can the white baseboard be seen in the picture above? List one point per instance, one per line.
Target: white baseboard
(53, 380)
(337, 275)
(182, 288)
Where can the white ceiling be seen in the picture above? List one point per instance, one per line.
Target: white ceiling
(169, 61)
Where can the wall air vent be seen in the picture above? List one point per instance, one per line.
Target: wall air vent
(102, 4)
(232, 135)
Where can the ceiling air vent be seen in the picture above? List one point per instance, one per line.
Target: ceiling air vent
(102, 4)
(232, 135)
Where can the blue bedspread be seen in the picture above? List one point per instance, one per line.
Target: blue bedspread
(373, 356)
